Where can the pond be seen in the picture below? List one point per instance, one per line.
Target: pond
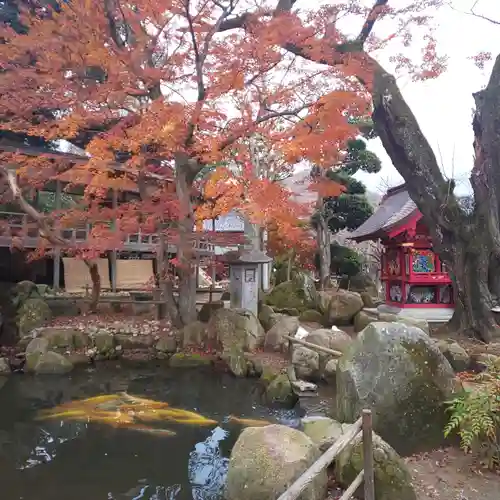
(61, 459)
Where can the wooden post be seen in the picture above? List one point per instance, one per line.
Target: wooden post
(369, 480)
(113, 255)
(56, 277)
(162, 271)
(300, 484)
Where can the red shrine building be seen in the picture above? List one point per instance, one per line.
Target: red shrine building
(415, 281)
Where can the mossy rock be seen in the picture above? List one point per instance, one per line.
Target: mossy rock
(400, 374)
(237, 362)
(265, 315)
(65, 337)
(359, 283)
(104, 342)
(280, 391)
(208, 309)
(362, 320)
(53, 363)
(23, 291)
(34, 351)
(311, 316)
(33, 313)
(192, 360)
(194, 333)
(290, 295)
(392, 477)
(289, 311)
(268, 374)
(257, 468)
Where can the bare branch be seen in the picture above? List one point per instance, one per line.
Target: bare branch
(46, 231)
(472, 12)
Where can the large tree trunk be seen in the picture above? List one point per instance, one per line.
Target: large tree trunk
(323, 240)
(185, 250)
(467, 241)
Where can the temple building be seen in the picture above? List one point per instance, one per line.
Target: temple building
(415, 281)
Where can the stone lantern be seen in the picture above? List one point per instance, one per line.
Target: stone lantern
(244, 271)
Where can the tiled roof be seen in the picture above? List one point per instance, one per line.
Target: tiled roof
(396, 207)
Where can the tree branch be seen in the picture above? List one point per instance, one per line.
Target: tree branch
(45, 230)
(475, 14)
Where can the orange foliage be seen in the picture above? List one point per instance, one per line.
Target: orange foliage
(169, 83)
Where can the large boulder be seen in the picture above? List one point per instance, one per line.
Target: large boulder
(419, 323)
(323, 431)
(299, 293)
(280, 391)
(104, 342)
(306, 363)
(340, 306)
(33, 313)
(457, 356)
(236, 328)
(34, 350)
(265, 461)
(23, 291)
(287, 325)
(52, 363)
(236, 362)
(208, 308)
(335, 339)
(265, 314)
(65, 337)
(311, 316)
(361, 283)
(392, 477)
(362, 320)
(400, 374)
(194, 333)
(4, 366)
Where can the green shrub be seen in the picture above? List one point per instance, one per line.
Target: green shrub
(475, 416)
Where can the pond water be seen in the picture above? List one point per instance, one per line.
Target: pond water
(60, 459)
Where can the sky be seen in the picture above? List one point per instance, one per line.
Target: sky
(444, 106)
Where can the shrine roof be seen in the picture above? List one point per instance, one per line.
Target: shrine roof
(394, 210)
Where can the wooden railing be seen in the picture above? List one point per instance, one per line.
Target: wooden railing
(362, 426)
(19, 224)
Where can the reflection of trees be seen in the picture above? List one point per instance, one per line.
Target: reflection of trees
(207, 468)
(148, 492)
(48, 441)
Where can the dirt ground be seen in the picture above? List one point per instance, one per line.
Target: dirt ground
(449, 474)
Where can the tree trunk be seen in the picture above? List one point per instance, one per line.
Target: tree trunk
(185, 250)
(467, 241)
(323, 238)
(96, 284)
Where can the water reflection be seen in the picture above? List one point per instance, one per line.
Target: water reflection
(48, 442)
(59, 459)
(207, 468)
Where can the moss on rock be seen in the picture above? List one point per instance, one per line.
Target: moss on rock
(399, 373)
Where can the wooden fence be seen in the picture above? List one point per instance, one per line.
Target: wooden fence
(362, 426)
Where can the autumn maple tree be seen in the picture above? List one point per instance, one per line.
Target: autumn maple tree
(162, 83)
